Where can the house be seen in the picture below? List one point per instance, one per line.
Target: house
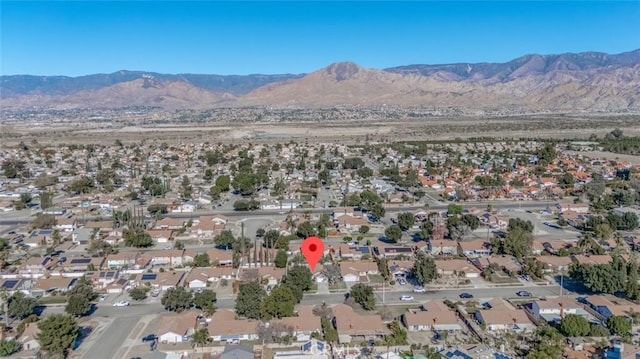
(304, 324)
(580, 208)
(12, 285)
(271, 275)
(346, 251)
(229, 330)
(474, 249)
(352, 271)
(218, 257)
(555, 264)
(177, 328)
(509, 264)
(201, 277)
(171, 258)
(442, 247)
(504, 317)
(237, 352)
(400, 269)
(122, 260)
(607, 306)
(592, 259)
(161, 235)
(82, 236)
(160, 280)
(169, 223)
(188, 207)
(456, 267)
(351, 224)
(46, 286)
(352, 326)
(81, 264)
(66, 224)
(436, 316)
(37, 265)
(29, 337)
(554, 309)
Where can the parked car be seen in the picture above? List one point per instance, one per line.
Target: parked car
(406, 298)
(419, 290)
(155, 293)
(466, 295)
(523, 293)
(149, 338)
(104, 297)
(121, 304)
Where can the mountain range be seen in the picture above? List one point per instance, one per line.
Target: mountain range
(573, 82)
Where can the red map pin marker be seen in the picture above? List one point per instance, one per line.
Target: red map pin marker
(313, 250)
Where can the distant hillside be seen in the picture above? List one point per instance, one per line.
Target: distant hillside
(237, 85)
(588, 81)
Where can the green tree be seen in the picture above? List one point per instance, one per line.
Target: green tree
(383, 268)
(223, 183)
(519, 242)
(21, 306)
(393, 233)
(424, 268)
(249, 300)
(137, 237)
(8, 347)
(200, 337)
(619, 325)
(330, 333)
(281, 259)
(377, 210)
(363, 229)
(206, 300)
(363, 295)
(406, 220)
(548, 344)
(225, 239)
(138, 293)
(454, 209)
(299, 279)
(573, 325)
(201, 260)
(306, 229)
(177, 299)
(79, 298)
(58, 334)
(398, 334)
(279, 303)
(77, 305)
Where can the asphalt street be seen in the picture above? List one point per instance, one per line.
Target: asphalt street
(22, 217)
(125, 318)
(107, 345)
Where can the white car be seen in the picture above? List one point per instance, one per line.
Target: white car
(121, 304)
(419, 290)
(406, 298)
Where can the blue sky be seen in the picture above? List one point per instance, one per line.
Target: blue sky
(77, 38)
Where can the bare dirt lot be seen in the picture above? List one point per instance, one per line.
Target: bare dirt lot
(354, 131)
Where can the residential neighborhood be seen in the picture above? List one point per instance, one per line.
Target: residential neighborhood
(458, 250)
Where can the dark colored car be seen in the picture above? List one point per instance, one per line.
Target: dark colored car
(466, 295)
(523, 293)
(149, 338)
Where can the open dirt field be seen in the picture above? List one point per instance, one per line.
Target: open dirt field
(334, 131)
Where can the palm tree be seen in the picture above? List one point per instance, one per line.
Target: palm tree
(200, 337)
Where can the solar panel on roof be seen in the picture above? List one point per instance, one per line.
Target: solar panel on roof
(9, 284)
(80, 261)
(152, 276)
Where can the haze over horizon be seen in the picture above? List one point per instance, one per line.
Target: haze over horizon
(238, 38)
